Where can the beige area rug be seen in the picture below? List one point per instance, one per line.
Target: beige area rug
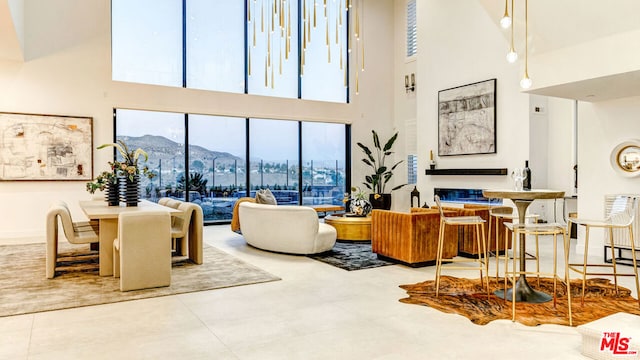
(25, 289)
(467, 298)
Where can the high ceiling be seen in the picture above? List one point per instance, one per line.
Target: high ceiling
(553, 25)
(557, 24)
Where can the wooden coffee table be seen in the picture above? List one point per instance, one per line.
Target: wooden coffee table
(351, 228)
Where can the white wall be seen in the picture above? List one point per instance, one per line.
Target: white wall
(459, 44)
(602, 126)
(68, 72)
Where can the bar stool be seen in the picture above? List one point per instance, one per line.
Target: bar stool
(622, 217)
(505, 213)
(481, 261)
(537, 230)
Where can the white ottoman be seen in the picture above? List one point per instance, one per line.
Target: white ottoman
(615, 336)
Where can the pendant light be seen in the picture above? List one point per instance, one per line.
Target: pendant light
(512, 55)
(505, 22)
(526, 82)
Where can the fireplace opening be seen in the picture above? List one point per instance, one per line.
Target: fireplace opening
(465, 196)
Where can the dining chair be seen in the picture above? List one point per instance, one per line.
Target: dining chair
(142, 250)
(188, 222)
(480, 262)
(75, 233)
(540, 231)
(621, 216)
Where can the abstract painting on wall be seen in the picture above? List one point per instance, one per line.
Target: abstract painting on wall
(467, 119)
(45, 147)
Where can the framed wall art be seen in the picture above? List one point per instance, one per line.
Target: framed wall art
(467, 119)
(45, 147)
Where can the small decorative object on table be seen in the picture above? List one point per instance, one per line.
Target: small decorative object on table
(357, 202)
(126, 173)
(107, 180)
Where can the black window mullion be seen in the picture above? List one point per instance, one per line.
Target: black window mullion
(247, 165)
(186, 157)
(184, 43)
(246, 47)
(300, 189)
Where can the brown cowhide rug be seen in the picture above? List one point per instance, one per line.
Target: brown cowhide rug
(467, 298)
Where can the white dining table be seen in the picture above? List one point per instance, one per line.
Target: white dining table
(522, 199)
(107, 217)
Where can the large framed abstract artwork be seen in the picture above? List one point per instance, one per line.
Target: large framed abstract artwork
(467, 119)
(45, 147)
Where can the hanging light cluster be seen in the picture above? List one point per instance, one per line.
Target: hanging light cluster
(271, 19)
(512, 56)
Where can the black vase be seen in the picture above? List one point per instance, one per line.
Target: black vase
(112, 195)
(130, 190)
(382, 202)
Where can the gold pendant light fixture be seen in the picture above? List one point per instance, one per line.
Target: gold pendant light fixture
(512, 55)
(526, 82)
(505, 22)
(337, 17)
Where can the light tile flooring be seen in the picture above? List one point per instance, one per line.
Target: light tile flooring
(316, 312)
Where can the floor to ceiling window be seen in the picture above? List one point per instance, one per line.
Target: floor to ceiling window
(323, 163)
(213, 172)
(281, 48)
(161, 135)
(273, 149)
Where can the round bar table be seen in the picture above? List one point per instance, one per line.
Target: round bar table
(522, 199)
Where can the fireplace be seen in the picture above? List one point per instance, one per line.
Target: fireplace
(468, 196)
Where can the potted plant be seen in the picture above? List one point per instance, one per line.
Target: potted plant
(377, 181)
(127, 169)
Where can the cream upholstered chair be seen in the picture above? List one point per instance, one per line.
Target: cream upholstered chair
(142, 250)
(621, 217)
(186, 228)
(76, 233)
(481, 261)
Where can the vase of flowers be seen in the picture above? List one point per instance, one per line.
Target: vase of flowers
(357, 202)
(126, 173)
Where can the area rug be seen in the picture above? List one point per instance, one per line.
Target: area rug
(352, 255)
(466, 297)
(25, 289)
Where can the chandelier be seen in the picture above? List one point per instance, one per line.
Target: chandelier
(328, 21)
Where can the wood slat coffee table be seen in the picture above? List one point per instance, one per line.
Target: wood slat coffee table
(352, 228)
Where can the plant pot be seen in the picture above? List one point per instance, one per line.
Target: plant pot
(383, 202)
(112, 194)
(130, 190)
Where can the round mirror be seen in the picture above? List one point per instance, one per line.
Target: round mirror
(625, 158)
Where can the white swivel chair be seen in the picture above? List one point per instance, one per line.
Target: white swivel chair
(142, 250)
(75, 232)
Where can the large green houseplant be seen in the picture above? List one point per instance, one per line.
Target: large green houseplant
(377, 181)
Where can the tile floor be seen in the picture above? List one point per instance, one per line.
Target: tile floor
(316, 312)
